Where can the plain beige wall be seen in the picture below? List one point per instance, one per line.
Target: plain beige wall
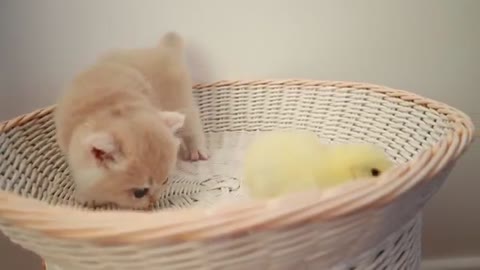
(431, 47)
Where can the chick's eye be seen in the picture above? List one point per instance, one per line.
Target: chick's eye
(140, 192)
(375, 172)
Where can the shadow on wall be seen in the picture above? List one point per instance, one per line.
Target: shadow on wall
(15, 257)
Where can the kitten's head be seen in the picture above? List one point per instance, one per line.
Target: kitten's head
(127, 161)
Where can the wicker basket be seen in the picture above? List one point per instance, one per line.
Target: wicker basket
(366, 225)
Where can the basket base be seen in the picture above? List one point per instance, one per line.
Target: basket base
(401, 250)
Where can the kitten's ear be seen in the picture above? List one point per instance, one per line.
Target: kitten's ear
(173, 120)
(102, 147)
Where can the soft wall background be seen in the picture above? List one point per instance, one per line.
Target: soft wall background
(431, 47)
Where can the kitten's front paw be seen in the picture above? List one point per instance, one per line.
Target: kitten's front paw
(195, 154)
(198, 155)
(83, 200)
(86, 200)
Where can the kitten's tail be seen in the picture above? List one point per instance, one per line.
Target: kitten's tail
(172, 41)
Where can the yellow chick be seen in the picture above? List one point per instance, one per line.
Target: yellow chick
(281, 162)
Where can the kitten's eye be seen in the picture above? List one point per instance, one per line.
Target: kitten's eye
(140, 192)
(375, 172)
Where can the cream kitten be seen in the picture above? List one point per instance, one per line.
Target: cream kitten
(117, 124)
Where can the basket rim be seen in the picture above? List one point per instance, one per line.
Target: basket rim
(236, 219)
